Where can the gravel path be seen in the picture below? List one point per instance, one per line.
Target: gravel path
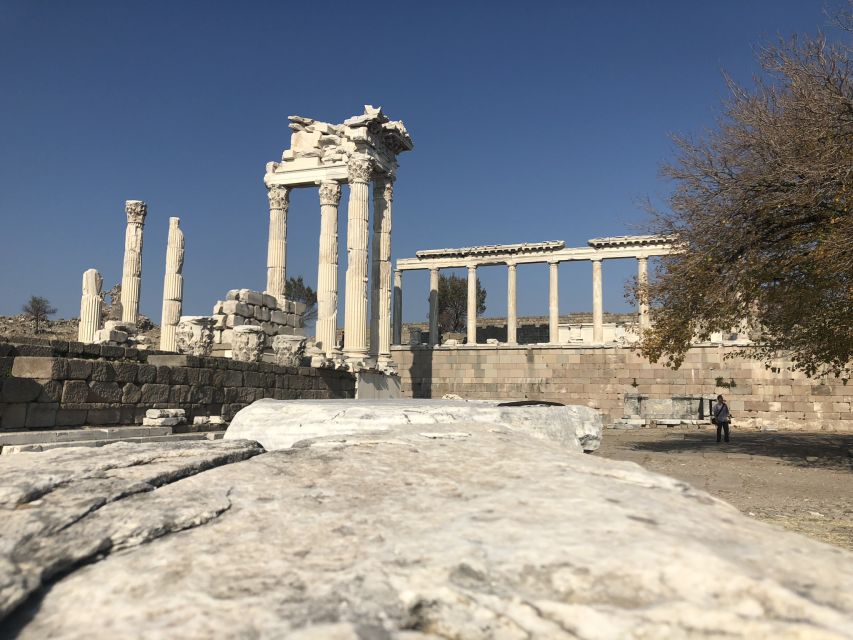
(802, 481)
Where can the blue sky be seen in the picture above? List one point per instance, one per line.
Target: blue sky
(531, 121)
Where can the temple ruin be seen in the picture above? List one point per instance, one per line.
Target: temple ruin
(362, 150)
(553, 253)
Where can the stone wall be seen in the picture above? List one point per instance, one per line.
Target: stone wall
(606, 377)
(69, 384)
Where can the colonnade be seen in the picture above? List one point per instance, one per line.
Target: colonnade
(361, 170)
(553, 254)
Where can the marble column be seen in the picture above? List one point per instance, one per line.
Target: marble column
(355, 321)
(642, 282)
(279, 198)
(433, 307)
(327, 271)
(511, 301)
(597, 304)
(472, 305)
(131, 275)
(90, 306)
(173, 286)
(380, 278)
(398, 307)
(553, 303)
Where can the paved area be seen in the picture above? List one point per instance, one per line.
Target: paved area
(802, 481)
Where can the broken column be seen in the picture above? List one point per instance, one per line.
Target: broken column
(90, 306)
(131, 276)
(173, 286)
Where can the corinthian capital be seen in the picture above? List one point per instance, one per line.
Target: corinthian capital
(359, 168)
(279, 197)
(135, 210)
(330, 193)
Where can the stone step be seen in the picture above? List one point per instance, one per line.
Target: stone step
(83, 433)
(34, 448)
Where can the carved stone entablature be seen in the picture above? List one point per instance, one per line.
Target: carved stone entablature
(320, 150)
(279, 197)
(494, 249)
(629, 241)
(360, 168)
(330, 193)
(136, 211)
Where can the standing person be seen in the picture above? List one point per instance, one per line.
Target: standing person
(722, 417)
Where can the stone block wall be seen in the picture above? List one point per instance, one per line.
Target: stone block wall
(61, 384)
(606, 377)
(246, 307)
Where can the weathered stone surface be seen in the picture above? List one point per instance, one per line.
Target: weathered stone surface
(463, 531)
(51, 505)
(278, 424)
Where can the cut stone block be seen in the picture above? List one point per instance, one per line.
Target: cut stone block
(162, 422)
(165, 413)
(278, 424)
(39, 367)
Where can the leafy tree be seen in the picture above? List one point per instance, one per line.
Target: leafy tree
(38, 309)
(763, 211)
(453, 302)
(295, 289)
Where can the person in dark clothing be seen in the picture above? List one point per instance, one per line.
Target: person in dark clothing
(722, 417)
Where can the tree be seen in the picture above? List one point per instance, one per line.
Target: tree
(453, 302)
(763, 212)
(296, 290)
(38, 309)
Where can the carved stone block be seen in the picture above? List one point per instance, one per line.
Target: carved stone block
(194, 335)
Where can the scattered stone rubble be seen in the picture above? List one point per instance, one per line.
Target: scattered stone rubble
(164, 417)
(247, 307)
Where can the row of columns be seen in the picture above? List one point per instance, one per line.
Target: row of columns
(357, 326)
(512, 310)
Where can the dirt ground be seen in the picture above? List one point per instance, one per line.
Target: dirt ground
(802, 481)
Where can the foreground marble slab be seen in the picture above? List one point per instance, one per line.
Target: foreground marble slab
(464, 531)
(279, 424)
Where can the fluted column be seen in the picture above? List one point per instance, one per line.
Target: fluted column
(279, 198)
(553, 303)
(472, 305)
(173, 286)
(131, 275)
(398, 307)
(355, 321)
(90, 306)
(327, 271)
(511, 301)
(643, 282)
(433, 306)
(597, 304)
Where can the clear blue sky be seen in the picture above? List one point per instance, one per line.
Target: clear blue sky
(531, 121)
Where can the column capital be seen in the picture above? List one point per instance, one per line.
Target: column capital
(279, 196)
(360, 168)
(136, 211)
(330, 193)
(472, 268)
(596, 259)
(511, 264)
(554, 263)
